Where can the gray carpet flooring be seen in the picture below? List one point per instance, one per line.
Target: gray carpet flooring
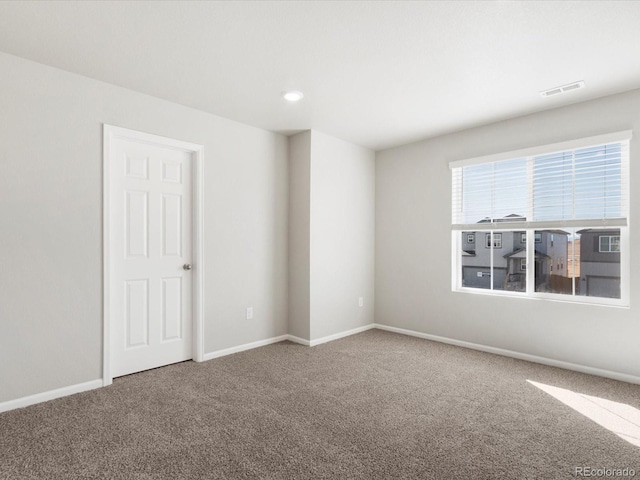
(373, 406)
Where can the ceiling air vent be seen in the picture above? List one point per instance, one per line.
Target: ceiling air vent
(562, 89)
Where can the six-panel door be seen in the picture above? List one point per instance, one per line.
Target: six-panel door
(150, 191)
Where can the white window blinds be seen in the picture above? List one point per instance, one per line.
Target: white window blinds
(587, 185)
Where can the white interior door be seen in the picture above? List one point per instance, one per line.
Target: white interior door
(150, 257)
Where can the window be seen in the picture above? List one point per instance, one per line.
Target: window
(497, 240)
(541, 206)
(609, 243)
(471, 238)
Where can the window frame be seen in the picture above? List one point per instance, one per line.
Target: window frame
(497, 241)
(610, 237)
(622, 302)
(529, 228)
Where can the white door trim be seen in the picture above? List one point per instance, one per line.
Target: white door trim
(111, 133)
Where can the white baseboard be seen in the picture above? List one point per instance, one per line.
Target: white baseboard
(301, 341)
(83, 387)
(50, 395)
(336, 336)
(242, 348)
(623, 377)
(291, 338)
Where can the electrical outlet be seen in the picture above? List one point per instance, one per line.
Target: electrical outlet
(249, 313)
(361, 301)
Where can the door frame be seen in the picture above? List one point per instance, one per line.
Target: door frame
(110, 134)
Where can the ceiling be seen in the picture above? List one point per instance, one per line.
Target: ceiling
(374, 73)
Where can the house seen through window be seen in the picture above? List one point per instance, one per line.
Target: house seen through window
(554, 222)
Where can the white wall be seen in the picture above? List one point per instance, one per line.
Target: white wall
(51, 222)
(413, 246)
(299, 228)
(342, 235)
(331, 235)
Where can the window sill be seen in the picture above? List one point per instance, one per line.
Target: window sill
(595, 301)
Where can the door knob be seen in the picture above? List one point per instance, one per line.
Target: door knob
(187, 266)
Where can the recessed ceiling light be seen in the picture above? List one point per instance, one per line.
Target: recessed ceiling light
(292, 95)
(563, 89)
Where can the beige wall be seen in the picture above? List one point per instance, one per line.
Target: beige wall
(413, 246)
(51, 222)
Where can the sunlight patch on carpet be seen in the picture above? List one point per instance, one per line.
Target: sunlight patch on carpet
(619, 418)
